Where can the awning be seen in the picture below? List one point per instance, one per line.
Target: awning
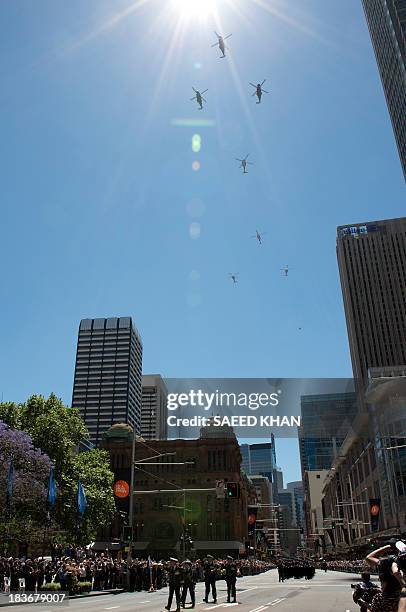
(218, 545)
(140, 545)
(105, 546)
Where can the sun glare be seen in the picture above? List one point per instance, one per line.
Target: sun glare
(194, 9)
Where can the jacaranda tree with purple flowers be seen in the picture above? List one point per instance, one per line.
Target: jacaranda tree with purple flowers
(30, 481)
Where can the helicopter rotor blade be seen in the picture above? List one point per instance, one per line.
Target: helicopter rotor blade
(225, 37)
(195, 90)
(216, 34)
(202, 92)
(265, 91)
(194, 98)
(263, 82)
(215, 45)
(204, 99)
(252, 85)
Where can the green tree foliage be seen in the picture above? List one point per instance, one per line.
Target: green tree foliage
(93, 470)
(57, 431)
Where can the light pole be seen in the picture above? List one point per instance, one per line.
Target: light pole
(184, 520)
(133, 468)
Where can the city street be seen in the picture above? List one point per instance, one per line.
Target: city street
(325, 593)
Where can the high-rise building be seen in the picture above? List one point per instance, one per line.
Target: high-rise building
(107, 383)
(297, 489)
(372, 264)
(326, 420)
(278, 476)
(387, 26)
(154, 409)
(259, 458)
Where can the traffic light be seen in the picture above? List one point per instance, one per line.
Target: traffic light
(233, 490)
(333, 524)
(127, 534)
(374, 512)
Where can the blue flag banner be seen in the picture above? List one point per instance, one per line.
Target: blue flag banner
(51, 488)
(82, 501)
(10, 481)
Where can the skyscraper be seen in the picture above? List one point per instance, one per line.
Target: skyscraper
(297, 489)
(387, 26)
(372, 264)
(154, 409)
(326, 420)
(107, 383)
(259, 458)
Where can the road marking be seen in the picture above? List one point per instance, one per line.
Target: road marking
(147, 601)
(278, 601)
(113, 607)
(259, 609)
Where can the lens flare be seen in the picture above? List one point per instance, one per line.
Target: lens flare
(196, 143)
(194, 9)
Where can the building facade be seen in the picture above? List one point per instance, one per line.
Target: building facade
(267, 516)
(326, 420)
(173, 501)
(371, 466)
(107, 381)
(315, 528)
(372, 265)
(387, 26)
(154, 409)
(296, 488)
(261, 459)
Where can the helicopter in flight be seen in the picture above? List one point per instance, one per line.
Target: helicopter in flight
(258, 235)
(234, 277)
(220, 43)
(258, 90)
(285, 270)
(199, 97)
(244, 163)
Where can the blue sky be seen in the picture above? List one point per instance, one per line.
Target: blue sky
(98, 191)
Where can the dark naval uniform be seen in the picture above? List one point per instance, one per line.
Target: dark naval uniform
(231, 579)
(210, 576)
(189, 583)
(175, 582)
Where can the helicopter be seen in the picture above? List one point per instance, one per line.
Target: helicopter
(258, 235)
(199, 97)
(244, 163)
(285, 270)
(258, 90)
(233, 276)
(220, 43)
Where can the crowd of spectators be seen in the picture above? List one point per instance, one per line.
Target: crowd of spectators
(352, 567)
(77, 569)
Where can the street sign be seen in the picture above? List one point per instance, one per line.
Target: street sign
(220, 489)
(121, 489)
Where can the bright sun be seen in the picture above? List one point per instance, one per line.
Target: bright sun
(198, 9)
